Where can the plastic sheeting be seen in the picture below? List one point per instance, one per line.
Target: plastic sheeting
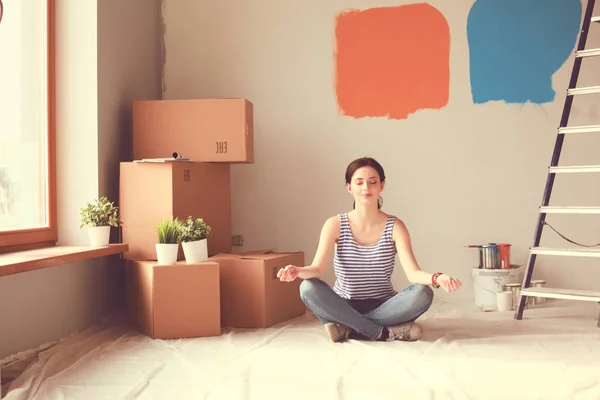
(554, 353)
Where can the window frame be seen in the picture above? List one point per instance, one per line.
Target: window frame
(42, 237)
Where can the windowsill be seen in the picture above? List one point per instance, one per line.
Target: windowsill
(30, 260)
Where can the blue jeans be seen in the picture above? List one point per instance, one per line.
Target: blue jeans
(367, 317)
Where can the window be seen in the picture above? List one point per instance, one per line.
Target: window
(27, 138)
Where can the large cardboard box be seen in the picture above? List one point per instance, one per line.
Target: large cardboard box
(251, 294)
(151, 192)
(208, 130)
(174, 301)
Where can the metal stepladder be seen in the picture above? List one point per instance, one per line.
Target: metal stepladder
(585, 295)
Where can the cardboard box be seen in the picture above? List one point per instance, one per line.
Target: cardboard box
(207, 130)
(251, 294)
(151, 192)
(174, 301)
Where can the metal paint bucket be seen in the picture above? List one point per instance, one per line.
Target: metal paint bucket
(488, 282)
(488, 256)
(538, 283)
(515, 288)
(494, 255)
(503, 255)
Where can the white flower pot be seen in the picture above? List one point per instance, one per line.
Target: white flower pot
(99, 235)
(195, 252)
(166, 253)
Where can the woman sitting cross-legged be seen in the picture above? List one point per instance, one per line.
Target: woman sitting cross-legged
(366, 241)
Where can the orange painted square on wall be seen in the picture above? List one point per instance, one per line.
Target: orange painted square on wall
(392, 61)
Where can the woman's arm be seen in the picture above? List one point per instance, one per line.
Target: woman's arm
(407, 258)
(327, 239)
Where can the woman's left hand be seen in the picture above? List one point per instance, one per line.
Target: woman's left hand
(448, 283)
(288, 273)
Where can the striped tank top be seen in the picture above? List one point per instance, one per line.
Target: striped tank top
(364, 271)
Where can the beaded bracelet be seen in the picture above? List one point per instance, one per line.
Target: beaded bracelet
(434, 280)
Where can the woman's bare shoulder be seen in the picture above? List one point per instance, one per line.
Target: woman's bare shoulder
(333, 222)
(400, 231)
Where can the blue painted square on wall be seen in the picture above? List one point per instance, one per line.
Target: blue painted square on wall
(515, 46)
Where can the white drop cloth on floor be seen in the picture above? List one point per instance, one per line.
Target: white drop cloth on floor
(553, 353)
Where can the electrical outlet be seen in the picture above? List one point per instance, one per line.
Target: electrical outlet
(237, 240)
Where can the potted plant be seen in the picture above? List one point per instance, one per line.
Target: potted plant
(193, 239)
(169, 236)
(99, 216)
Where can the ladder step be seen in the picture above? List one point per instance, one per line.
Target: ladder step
(567, 294)
(574, 169)
(587, 53)
(569, 210)
(583, 90)
(579, 129)
(584, 252)
(596, 19)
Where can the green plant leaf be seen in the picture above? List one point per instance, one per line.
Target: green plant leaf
(193, 230)
(169, 231)
(100, 212)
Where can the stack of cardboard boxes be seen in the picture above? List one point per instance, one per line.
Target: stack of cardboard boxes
(228, 290)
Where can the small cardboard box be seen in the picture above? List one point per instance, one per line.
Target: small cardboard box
(251, 294)
(174, 301)
(151, 192)
(207, 130)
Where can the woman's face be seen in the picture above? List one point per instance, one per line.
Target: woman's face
(365, 186)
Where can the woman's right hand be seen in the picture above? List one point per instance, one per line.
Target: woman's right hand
(288, 273)
(448, 283)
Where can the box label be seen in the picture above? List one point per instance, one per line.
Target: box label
(221, 147)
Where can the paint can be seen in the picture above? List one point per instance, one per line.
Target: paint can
(494, 255)
(488, 256)
(538, 283)
(503, 255)
(488, 282)
(504, 301)
(515, 288)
